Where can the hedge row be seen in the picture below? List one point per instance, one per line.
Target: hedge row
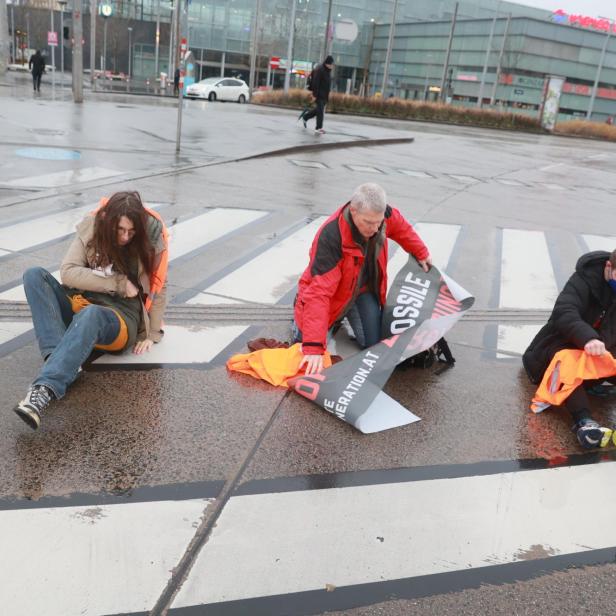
(582, 128)
(403, 109)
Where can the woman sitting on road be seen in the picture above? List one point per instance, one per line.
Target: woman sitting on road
(112, 296)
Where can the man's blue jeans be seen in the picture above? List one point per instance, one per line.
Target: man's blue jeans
(65, 339)
(365, 319)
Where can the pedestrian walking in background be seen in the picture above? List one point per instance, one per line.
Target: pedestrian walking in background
(37, 66)
(176, 82)
(112, 298)
(320, 85)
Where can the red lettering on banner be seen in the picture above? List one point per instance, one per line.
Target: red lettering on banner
(308, 388)
(390, 341)
(445, 303)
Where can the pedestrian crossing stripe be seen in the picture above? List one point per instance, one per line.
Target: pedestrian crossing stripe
(186, 237)
(527, 278)
(63, 178)
(285, 525)
(31, 233)
(513, 339)
(269, 554)
(268, 276)
(600, 242)
(181, 346)
(117, 560)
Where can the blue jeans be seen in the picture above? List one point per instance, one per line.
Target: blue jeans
(64, 338)
(365, 319)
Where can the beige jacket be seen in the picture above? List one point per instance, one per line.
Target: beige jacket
(76, 272)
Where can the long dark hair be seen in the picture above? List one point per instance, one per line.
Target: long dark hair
(104, 242)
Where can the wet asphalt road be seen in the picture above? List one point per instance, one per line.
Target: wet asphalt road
(122, 437)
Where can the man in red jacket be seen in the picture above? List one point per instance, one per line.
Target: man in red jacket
(347, 273)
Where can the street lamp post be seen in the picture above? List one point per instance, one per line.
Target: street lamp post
(106, 11)
(62, 4)
(593, 95)
(130, 53)
(53, 53)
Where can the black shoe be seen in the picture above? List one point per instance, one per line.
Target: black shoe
(591, 435)
(36, 401)
(602, 390)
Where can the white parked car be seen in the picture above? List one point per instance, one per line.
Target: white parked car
(219, 89)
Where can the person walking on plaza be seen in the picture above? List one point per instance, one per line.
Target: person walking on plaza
(112, 296)
(176, 82)
(37, 66)
(347, 272)
(320, 85)
(583, 318)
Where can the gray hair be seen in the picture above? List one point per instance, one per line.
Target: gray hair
(369, 197)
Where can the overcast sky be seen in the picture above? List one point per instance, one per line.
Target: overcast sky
(592, 8)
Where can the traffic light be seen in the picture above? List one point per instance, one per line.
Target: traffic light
(66, 33)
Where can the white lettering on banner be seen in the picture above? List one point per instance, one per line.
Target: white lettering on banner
(359, 378)
(410, 299)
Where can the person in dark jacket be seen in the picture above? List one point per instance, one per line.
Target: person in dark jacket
(37, 66)
(584, 317)
(347, 272)
(176, 82)
(320, 86)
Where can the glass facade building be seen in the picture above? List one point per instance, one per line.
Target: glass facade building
(523, 51)
(220, 32)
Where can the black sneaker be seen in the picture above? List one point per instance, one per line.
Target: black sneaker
(36, 401)
(602, 390)
(591, 435)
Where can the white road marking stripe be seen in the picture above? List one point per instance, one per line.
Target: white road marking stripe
(527, 278)
(182, 345)
(108, 559)
(515, 338)
(18, 294)
(63, 178)
(30, 233)
(440, 240)
(12, 329)
(269, 276)
(600, 242)
(185, 237)
(364, 168)
(300, 541)
(464, 179)
(196, 232)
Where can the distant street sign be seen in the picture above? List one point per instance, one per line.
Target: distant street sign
(183, 45)
(275, 62)
(52, 39)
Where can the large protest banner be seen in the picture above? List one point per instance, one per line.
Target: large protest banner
(421, 307)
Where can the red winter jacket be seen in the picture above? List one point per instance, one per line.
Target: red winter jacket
(329, 283)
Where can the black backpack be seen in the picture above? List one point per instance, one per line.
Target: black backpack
(309, 80)
(439, 352)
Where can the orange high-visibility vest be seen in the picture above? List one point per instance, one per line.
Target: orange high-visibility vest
(276, 366)
(159, 275)
(568, 369)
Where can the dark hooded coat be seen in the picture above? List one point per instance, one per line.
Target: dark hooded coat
(585, 309)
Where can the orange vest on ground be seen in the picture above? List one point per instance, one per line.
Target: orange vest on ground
(276, 366)
(159, 275)
(567, 371)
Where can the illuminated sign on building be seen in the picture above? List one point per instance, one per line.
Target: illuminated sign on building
(597, 23)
